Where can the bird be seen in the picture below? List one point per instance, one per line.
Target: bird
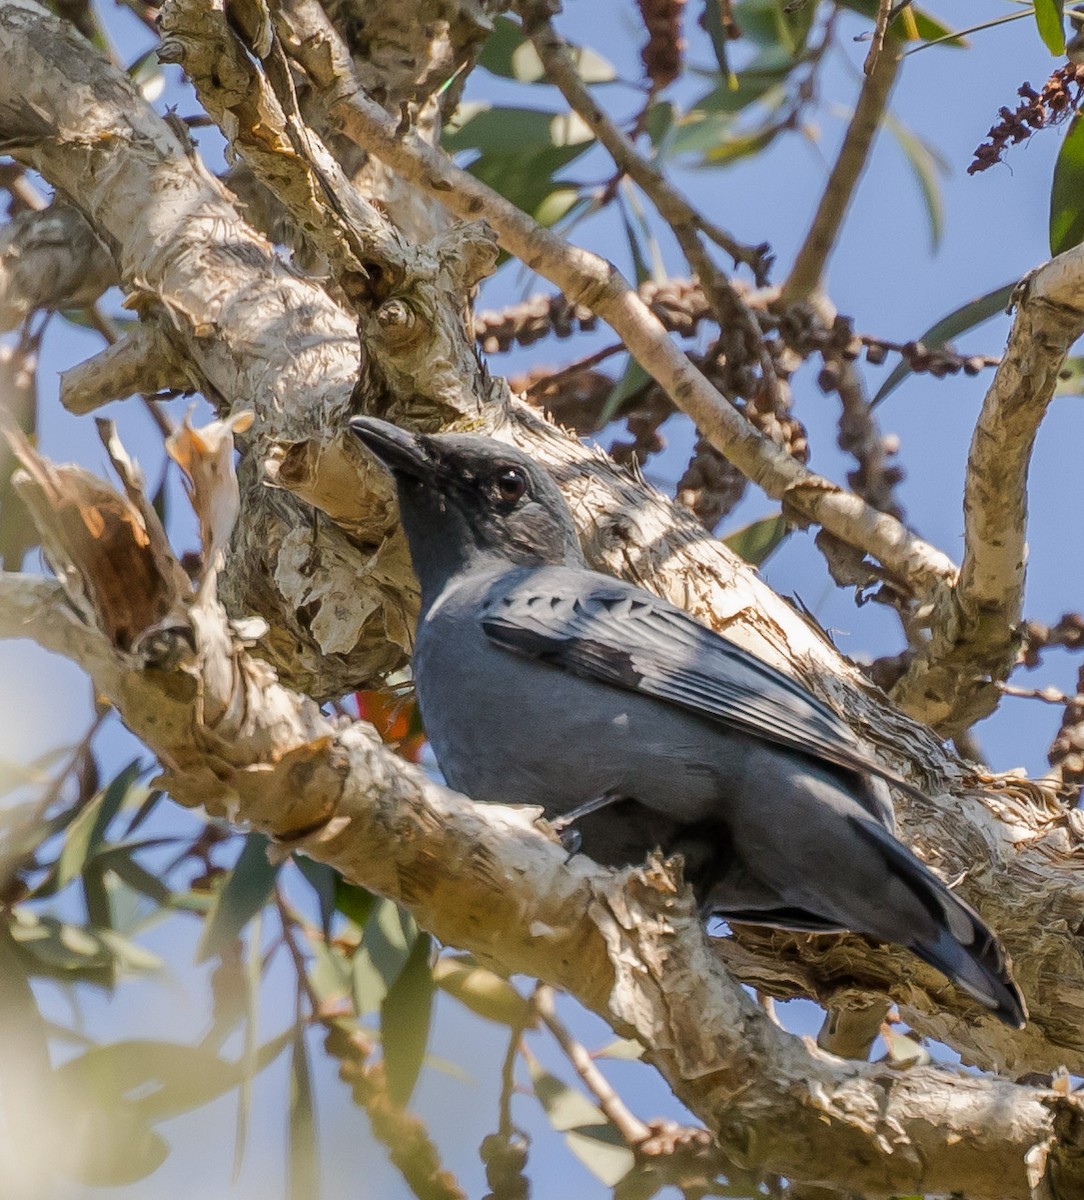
(636, 727)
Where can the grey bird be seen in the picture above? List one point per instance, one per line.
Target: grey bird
(543, 682)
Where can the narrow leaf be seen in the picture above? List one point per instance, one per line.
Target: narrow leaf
(404, 1022)
(1048, 17)
(960, 320)
(589, 1134)
(926, 164)
(304, 1166)
(481, 990)
(88, 829)
(756, 541)
(241, 897)
(631, 381)
(324, 881)
(1066, 194)
(355, 903)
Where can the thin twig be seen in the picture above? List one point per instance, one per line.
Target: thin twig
(588, 279)
(631, 1128)
(687, 224)
(881, 68)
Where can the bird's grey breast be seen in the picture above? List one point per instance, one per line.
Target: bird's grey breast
(509, 730)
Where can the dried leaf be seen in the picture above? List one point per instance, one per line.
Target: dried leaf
(98, 544)
(205, 455)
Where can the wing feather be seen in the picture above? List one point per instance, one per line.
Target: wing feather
(620, 635)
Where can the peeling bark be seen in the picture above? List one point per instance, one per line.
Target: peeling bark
(628, 944)
(339, 602)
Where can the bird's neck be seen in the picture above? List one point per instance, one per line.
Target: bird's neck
(477, 568)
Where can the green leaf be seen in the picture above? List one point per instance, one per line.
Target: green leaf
(506, 130)
(87, 831)
(720, 43)
(302, 1158)
(756, 541)
(1066, 195)
(631, 381)
(405, 1017)
(138, 878)
(924, 26)
(252, 975)
(482, 991)
(623, 1049)
(1071, 377)
(1048, 17)
(355, 903)
(926, 164)
(246, 890)
(113, 1148)
(62, 950)
(324, 881)
(960, 320)
(509, 53)
(794, 22)
(384, 951)
(589, 1134)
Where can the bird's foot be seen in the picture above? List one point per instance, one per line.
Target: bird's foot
(571, 838)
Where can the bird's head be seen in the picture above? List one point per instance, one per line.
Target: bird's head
(465, 500)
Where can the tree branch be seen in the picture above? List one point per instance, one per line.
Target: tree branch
(628, 944)
(975, 632)
(881, 67)
(50, 259)
(145, 361)
(585, 278)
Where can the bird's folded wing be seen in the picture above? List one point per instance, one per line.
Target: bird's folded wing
(619, 635)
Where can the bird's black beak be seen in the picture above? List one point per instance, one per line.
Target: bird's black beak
(399, 451)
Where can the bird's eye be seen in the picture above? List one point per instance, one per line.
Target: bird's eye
(511, 484)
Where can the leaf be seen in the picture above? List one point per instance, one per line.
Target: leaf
(1066, 195)
(384, 952)
(1049, 19)
(302, 1159)
(355, 903)
(623, 1049)
(483, 991)
(756, 541)
(246, 890)
(405, 1017)
(113, 1148)
(925, 26)
(1071, 377)
(252, 976)
(138, 878)
(86, 832)
(716, 31)
(62, 950)
(116, 1092)
(631, 381)
(507, 130)
(511, 55)
(324, 881)
(960, 320)
(926, 163)
(589, 1134)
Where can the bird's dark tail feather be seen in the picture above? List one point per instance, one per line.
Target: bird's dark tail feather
(980, 973)
(966, 950)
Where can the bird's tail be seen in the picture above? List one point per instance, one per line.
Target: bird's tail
(965, 949)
